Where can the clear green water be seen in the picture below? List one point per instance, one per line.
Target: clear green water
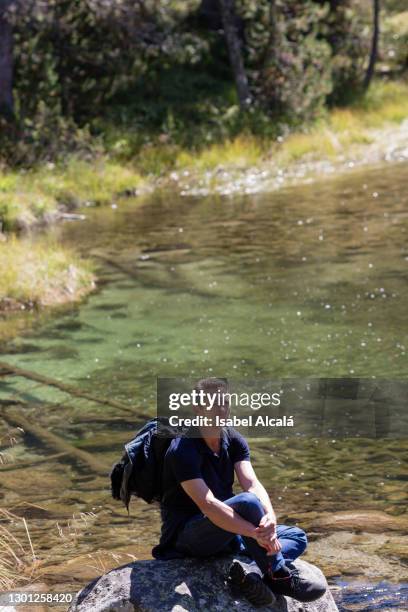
(308, 281)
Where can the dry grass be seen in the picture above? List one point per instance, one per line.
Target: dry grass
(243, 151)
(17, 556)
(338, 132)
(343, 128)
(21, 565)
(40, 273)
(385, 103)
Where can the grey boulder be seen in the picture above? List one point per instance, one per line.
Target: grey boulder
(182, 585)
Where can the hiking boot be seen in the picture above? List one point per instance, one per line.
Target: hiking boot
(289, 582)
(246, 582)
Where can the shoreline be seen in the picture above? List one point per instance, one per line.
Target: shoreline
(370, 131)
(38, 275)
(345, 140)
(388, 146)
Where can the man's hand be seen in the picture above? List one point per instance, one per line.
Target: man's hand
(266, 534)
(272, 545)
(267, 525)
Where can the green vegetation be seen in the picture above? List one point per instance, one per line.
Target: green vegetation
(384, 105)
(100, 100)
(191, 73)
(39, 273)
(34, 196)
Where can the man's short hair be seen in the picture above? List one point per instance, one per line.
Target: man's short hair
(212, 385)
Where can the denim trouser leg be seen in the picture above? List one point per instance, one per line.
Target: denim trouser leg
(201, 538)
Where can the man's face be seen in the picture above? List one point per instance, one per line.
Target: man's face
(216, 404)
(222, 408)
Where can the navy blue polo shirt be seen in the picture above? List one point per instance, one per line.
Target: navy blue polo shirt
(188, 458)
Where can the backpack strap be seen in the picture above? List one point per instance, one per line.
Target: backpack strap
(124, 489)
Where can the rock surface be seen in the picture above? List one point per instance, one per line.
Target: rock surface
(181, 586)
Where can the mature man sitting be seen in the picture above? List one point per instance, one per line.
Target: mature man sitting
(202, 517)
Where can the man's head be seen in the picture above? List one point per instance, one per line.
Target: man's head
(215, 393)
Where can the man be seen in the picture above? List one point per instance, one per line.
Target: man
(202, 517)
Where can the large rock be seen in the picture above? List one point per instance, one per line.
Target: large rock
(181, 585)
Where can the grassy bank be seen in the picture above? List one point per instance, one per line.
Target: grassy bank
(31, 197)
(45, 274)
(337, 132)
(36, 274)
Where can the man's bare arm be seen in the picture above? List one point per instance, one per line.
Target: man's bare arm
(219, 513)
(266, 530)
(249, 482)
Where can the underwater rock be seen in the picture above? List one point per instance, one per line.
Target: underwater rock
(362, 520)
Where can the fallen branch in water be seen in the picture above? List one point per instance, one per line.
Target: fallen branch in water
(4, 372)
(151, 283)
(70, 390)
(53, 441)
(6, 467)
(115, 264)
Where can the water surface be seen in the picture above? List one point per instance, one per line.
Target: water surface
(307, 281)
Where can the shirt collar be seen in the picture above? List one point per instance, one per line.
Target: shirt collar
(205, 448)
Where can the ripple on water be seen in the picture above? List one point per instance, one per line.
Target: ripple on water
(246, 294)
(368, 598)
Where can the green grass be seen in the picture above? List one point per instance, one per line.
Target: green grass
(385, 102)
(40, 273)
(79, 181)
(342, 129)
(24, 207)
(337, 132)
(31, 197)
(241, 152)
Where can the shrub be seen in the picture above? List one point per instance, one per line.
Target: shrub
(289, 62)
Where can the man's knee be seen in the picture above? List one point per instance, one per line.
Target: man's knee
(249, 507)
(301, 538)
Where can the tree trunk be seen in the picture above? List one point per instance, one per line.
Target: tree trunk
(374, 44)
(235, 52)
(6, 66)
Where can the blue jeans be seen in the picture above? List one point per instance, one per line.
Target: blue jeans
(201, 538)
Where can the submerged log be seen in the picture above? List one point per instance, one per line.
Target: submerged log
(53, 441)
(10, 467)
(69, 389)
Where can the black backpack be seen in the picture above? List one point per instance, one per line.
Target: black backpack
(139, 472)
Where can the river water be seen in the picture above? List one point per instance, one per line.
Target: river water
(308, 281)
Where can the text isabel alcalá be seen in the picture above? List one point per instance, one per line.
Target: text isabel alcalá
(232, 421)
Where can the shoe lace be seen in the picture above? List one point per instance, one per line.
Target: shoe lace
(295, 577)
